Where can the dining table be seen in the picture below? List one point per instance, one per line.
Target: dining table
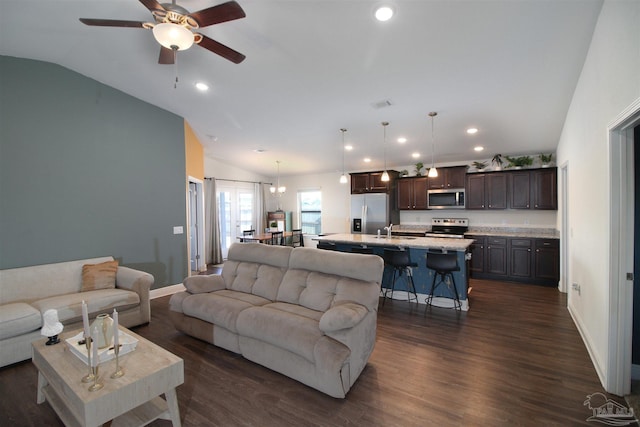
(261, 237)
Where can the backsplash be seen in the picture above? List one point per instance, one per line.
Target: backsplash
(501, 219)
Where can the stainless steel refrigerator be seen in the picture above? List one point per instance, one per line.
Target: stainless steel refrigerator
(372, 212)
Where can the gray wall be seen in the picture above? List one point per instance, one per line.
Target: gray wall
(86, 171)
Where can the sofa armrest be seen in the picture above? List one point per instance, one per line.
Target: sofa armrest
(201, 283)
(137, 281)
(343, 316)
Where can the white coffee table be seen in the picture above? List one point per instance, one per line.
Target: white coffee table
(131, 400)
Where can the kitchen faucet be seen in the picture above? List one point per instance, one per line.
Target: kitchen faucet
(389, 229)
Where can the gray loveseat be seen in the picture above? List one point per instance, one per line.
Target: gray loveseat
(307, 313)
(27, 292)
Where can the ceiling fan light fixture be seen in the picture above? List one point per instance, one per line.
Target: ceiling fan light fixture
(433, 172)
(173, 36)
(385, 174)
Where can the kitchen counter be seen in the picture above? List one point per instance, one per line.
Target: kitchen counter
(402, 241)
(418, 248)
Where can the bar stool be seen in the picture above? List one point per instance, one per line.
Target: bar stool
(443, 265)
(400, 262)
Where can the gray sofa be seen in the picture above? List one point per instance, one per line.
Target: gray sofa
(27, 292)
(307, 313)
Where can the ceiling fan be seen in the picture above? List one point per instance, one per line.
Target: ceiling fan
(174, 27)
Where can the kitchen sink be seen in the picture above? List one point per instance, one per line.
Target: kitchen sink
(396, 237)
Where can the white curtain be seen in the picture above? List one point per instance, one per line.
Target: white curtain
(213, 248)
(260, 207)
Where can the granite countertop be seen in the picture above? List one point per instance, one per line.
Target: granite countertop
(534, 233)
(410, 242)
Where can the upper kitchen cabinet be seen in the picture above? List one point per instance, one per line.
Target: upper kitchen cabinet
(451, 177)
(486, 191)
(545, 188)
(371, 182)
(412, 193)
(521, 189)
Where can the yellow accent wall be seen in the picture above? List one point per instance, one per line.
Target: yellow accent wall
(194, 153)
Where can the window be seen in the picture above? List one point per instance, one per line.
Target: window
(310, 208)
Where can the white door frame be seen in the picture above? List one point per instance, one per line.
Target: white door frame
(200, 260)
(565, 277)
(620, 143)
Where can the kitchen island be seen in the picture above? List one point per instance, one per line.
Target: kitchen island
(418, 248)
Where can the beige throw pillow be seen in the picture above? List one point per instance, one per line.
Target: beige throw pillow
(99, 276)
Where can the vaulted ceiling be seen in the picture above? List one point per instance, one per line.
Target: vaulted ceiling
(508, 68)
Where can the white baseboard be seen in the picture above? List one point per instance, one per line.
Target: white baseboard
(167, 290)
(600, 370)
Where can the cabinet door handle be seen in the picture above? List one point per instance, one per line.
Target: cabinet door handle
(527, 205)
(528, 250)
(536, 206)
(537, 250)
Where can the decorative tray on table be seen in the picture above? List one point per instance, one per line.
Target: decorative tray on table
(127, 345)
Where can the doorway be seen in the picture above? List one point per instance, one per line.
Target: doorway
(195, 225)
(235, 206)
(622, 244)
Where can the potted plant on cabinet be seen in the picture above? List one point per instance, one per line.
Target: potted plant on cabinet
(419, 167)
(545, 159)
(479, 165)
(497, 161)
(519, 162)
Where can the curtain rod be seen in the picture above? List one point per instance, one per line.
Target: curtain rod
(240, 180)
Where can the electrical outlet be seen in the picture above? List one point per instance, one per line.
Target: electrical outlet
(576, 287)
(526, 221)
(178, 230)
(503, 222)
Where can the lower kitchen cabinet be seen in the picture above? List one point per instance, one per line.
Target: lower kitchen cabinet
(526, 260)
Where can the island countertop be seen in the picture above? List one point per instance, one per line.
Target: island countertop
(410, 242)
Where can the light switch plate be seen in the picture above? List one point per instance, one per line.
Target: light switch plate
(178, 230)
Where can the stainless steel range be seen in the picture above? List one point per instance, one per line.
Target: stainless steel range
(453, 228)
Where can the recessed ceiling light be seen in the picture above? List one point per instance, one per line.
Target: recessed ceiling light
(471, 131)
(478, 148)
(203, 87)
(259, 150)
(402, 140)
(384, 13)
(415, 155)
(348, 147)
(367, 160)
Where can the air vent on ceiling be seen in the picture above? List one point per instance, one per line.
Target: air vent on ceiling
(382, 104)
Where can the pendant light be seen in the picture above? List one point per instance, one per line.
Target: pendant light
(343, 177)
(278, 188)
(385, 174)
(433, 172)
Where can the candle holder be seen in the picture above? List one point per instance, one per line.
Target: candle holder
(96, 384)
(119, 372)
(89, 377)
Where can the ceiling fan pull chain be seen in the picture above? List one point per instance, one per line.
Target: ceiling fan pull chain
(175, 66)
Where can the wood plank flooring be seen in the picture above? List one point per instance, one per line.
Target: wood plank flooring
(515, 358)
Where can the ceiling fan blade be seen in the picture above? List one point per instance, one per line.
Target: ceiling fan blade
(152, 5)
(222, 50)
(111, 23)
(166, 56)
(216, 14)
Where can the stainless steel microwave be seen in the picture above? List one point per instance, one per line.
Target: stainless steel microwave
(449, 198)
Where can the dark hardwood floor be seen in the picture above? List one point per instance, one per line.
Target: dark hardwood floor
(515, 358)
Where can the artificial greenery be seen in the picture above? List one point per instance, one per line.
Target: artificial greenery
(519, 161)
(480, 165)
(545, 158)
(419, 167)
(497, 160)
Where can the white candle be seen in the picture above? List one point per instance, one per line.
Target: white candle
(94, 346)
(85, 320)
(115, 330)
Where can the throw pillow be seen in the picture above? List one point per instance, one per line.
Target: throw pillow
(99, 276)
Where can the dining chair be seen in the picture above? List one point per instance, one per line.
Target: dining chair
(296, 238)
(277, 238)
(246, 233)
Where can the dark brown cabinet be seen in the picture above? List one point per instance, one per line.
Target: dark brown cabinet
(412, 193)
(486, 191)
(451, 177)
(496, 256)
(547, 259)
(527, 260)
(523, 189)
(520, 257)
(371, 182)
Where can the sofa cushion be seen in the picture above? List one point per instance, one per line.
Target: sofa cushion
(17, 319)
(102, 301)
(293, 328)
(221, 307)
(99, 276)
(342, 316)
